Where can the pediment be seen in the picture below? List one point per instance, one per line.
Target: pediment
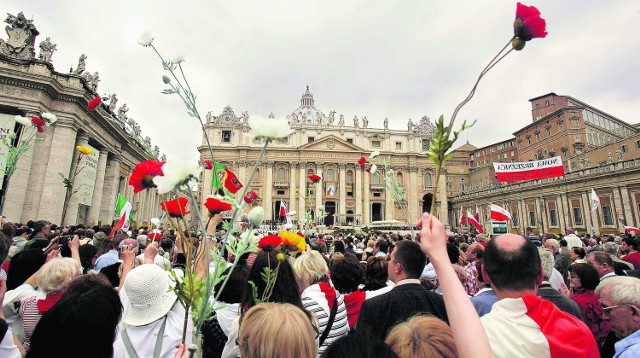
(331, 143)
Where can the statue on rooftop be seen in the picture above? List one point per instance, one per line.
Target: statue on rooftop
(386, 123)
(82, 65)
(122, 112)
(331, 117)
(356, 124)
(46, 50)
(341, 121)
(365, 122)
(113, 99)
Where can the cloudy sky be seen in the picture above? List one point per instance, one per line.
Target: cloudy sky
(396, 59)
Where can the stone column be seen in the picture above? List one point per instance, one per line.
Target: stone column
(293, 171)
(617, 211)
(319, 190)
(559, 210)
(37, 172)
(524, 215)
(302, 196)
(567, 211)
(366, 216)
(73, 204)
(626, 206)
(96, 201)
(413, 199)
(358, 195)
(590, 218)
(268, 204)
(60, 158)
(18, 183)
(110, 192)
(342, 203)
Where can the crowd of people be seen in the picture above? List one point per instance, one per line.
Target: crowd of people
(76, 292)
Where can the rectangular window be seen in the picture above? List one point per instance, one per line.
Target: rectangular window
(425, 144)
(528, 141)
(398, 145)
(638, 144)
(532, 218)
(281, 192)
(350, 140)
(375, 144)
(548, 132)
(310, 139)
(350, 194)
(226, 136)
(577, 216)
(553, 217)
(376, 195)
(537, 137)
(514, 219)
(607, 216)
(623, 148)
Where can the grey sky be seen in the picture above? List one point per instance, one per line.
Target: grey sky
(396, 59)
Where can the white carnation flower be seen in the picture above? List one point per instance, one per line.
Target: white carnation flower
(178, 175)
(155, 222)
(176, 59)
(256, 216)
(374, 154)
(373, 169)
(23, 120)
(272, 128)
(49, 117)
(145, 39)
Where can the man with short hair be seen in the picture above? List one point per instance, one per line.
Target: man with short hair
(552, 294)
(521, 323)
(603, 264)
(620, 300)
(42, 229)
(562, 261)
(408, 298)
(631, 245)
(474, 253)
(381, 248)
(113, 255)
(619, 266)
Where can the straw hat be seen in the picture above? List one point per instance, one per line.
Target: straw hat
(148, 296)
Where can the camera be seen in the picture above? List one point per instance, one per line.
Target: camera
(64, 240)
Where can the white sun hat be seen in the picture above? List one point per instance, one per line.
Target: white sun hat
(148, 296)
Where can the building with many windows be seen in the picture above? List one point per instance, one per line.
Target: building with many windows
(329, 145)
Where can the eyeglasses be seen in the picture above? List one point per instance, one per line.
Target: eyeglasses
(607, 309)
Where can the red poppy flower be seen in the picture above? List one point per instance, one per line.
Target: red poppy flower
(176, 208)
(250, 197)
(362, 161)
(143, 174)
(269, 242)
(94, 103)
(155, 236)
(314, 178)
(528, 24)
(216, 206)
(39, 123)
(207, 164)
(244, 224)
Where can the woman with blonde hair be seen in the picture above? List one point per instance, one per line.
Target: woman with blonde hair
(320, 298)
(281, 330)
(422, 336)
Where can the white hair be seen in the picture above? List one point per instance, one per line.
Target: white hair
(610, 247)
(554, 243)
(547, 262)
(624, 290)
(57, 273)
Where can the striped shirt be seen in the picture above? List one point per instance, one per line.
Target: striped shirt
(318, 299)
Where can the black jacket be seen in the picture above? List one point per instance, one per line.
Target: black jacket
(379, 314)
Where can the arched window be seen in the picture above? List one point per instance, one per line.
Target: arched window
(310, 171)
(400, 178)
(349, 178)
(331, 175)
(281, 176)
(427, 180)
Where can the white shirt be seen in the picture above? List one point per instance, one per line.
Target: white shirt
(158, 260)
(143, 338)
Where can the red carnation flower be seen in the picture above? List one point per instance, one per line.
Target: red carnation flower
(244, 224)
(207, 164)
(176, 208)
(39, 123)
(94, 103)
(250, 197)
(362, 161)
(314, 178)
(528, 24)
(143, 174)
(155, 236)
(216, 206)
(269, 242)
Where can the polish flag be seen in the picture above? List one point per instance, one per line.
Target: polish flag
(499, 214)
(473, 221)
(463, 218)
(539, 169)
(629, 229)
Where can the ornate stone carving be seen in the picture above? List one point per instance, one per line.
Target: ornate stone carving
(331, 143)
(46, 50)
(82, 65)
(341, 121)
(425, 126)
(156, 152)
(163, 158)
(122, 113)
(92, 80)
(386, 123)
(22, 37)
(113, 100)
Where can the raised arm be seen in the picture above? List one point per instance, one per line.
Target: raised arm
(468, 333)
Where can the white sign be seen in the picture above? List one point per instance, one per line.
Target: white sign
(7, 124)
(85, 180)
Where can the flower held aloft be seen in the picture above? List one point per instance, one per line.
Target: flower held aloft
(315, 178)
(292, 241)
(176, 208)
(84, 150)
(269, 242)
(250, 197)
(94, 103)
(528, 25)
(272, 128)
(216, 206)
(145, 39)
(143, 174)
(178, 175)
(39, 123)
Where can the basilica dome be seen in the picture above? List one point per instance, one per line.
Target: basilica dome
(307, 112)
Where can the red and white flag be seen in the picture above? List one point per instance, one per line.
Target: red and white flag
(284, 213)
(629, 229)
(473, 221)
(463, 218)
(498, 213)
(539, 169)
